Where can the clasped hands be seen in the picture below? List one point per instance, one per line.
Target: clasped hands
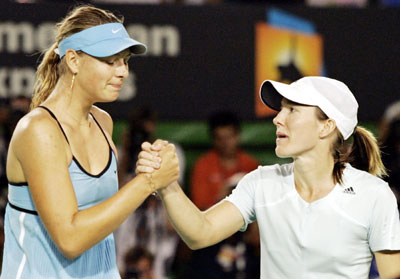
(159, 162)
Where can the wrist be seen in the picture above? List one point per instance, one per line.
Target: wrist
(152, 187)
(145, 183)
(171, 188)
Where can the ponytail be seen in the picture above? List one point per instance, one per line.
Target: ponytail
(46, 76)
(361, 151)
(365, 153)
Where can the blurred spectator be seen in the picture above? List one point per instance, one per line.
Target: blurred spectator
(214, 176)
(390, 147)
(142, 125)
(237, 257)
(148, 226)
(139, 264)
(141, 128)
(389, 140)
(214, 170)
(391, 113)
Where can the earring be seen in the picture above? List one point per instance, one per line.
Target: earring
(72, 82)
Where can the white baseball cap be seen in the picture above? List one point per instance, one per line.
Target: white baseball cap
(333, 97)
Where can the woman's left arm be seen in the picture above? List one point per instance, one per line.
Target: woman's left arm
(384, 232)
(388, 264)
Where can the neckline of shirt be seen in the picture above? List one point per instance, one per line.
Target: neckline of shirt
(326, 198)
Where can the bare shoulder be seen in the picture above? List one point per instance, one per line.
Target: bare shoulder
(36, 137)
(41, 130)
(104, 118)
(36, 124)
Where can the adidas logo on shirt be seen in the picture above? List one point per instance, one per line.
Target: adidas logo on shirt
(349, 190)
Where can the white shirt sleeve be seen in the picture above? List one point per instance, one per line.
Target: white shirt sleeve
(384, 231)
(243, 197)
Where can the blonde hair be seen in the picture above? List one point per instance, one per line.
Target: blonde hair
(51, 67)
(361, 151)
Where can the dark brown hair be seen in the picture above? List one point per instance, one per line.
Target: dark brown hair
(361, 151)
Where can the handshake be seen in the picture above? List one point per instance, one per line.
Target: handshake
(159, 163)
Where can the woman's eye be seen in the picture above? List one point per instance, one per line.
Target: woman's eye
(110, 62)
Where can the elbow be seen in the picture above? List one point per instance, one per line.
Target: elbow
(70, 254)
(393, 273)
(201, 237)
(198, 247)
(196, 244)
(69, 248)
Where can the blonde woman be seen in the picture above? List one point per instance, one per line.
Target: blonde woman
(64, 202)
(322, 216)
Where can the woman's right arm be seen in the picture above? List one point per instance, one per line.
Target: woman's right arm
(199, 229)
(39, 150)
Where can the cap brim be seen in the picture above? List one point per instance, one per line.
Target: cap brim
(110, 47)
(269, 93)
(272, 93)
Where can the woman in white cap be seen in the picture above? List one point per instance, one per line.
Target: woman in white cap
(322, 216)
(64, 202)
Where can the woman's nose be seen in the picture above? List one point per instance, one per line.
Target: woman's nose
(278, 119)
(122, 69)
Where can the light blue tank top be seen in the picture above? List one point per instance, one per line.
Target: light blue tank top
(30, 253)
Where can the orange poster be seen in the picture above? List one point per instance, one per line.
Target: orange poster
(284, 55)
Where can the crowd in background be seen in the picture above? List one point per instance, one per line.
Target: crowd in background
(147, 244)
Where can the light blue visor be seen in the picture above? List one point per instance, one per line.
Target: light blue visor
(101, 41)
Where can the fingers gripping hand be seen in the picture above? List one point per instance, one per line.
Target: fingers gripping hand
(148, 159)
(159, 144)
(169, 170)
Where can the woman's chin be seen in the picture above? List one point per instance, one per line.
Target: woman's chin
(280, 154)
(109, 99)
